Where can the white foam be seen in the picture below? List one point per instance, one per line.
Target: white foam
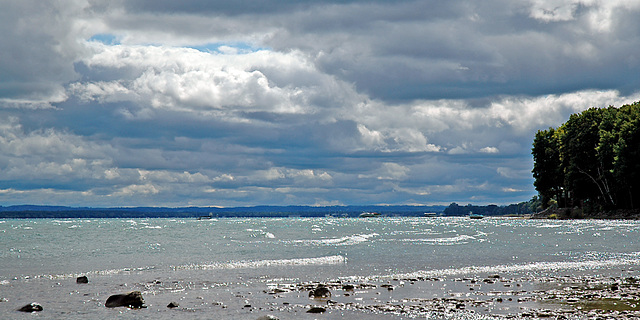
(264, 263)
(463, 238)
(343, 241)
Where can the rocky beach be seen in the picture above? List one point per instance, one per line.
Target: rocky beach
(490, 296)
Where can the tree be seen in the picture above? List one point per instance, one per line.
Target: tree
(591, 161)
(547, 167)
(626, 164)
(584, 174)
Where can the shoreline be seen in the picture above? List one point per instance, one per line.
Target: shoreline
(577, 214)
(481, 296)
(495, 296)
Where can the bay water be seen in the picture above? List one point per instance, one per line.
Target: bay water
(221, 268)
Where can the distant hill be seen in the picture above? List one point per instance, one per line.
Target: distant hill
(60, 212)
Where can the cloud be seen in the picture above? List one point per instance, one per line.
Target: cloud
(322, 102)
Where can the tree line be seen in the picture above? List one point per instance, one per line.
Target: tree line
(521, 208)
(591, 162)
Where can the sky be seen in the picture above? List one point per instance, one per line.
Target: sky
(337, 102)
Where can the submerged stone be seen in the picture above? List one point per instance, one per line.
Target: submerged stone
(132, 299)
(316, 310)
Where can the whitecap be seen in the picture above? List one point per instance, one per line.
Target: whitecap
(445, 241)
(328, 260)
(550, 226)
(343, 241)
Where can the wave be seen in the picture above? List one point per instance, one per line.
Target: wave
(629, 259)
(106, 272)
(342, 241)
(328, 260)
(445, 241)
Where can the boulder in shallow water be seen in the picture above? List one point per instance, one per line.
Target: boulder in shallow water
(132, 299)
(320, 292)
(172, 305)
(267, 317)
(32, 307)
(82, 279)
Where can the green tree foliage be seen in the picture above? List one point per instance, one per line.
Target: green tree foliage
(547, 169)
(492, 210)
(591, 161)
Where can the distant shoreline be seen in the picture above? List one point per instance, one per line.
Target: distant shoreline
(577, 213)
(59, 212)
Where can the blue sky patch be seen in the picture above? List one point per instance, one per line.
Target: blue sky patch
(218, 47)
(105, 38)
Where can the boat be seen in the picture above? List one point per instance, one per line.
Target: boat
(475, 216)
(430, 214)
(369, 215)
(209, 217)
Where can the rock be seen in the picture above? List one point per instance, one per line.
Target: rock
(172, 305)
(320, 292)
(82, 279)
(276, 291)
(494, 276)
(32, 307)
(267, 317)
(132, 299)
(348, 287)
(316, 310)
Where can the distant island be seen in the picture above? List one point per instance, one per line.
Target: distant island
(63, 212)
(589, 167)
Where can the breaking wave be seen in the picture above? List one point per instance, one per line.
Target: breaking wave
(342, 241)
(329, 260)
